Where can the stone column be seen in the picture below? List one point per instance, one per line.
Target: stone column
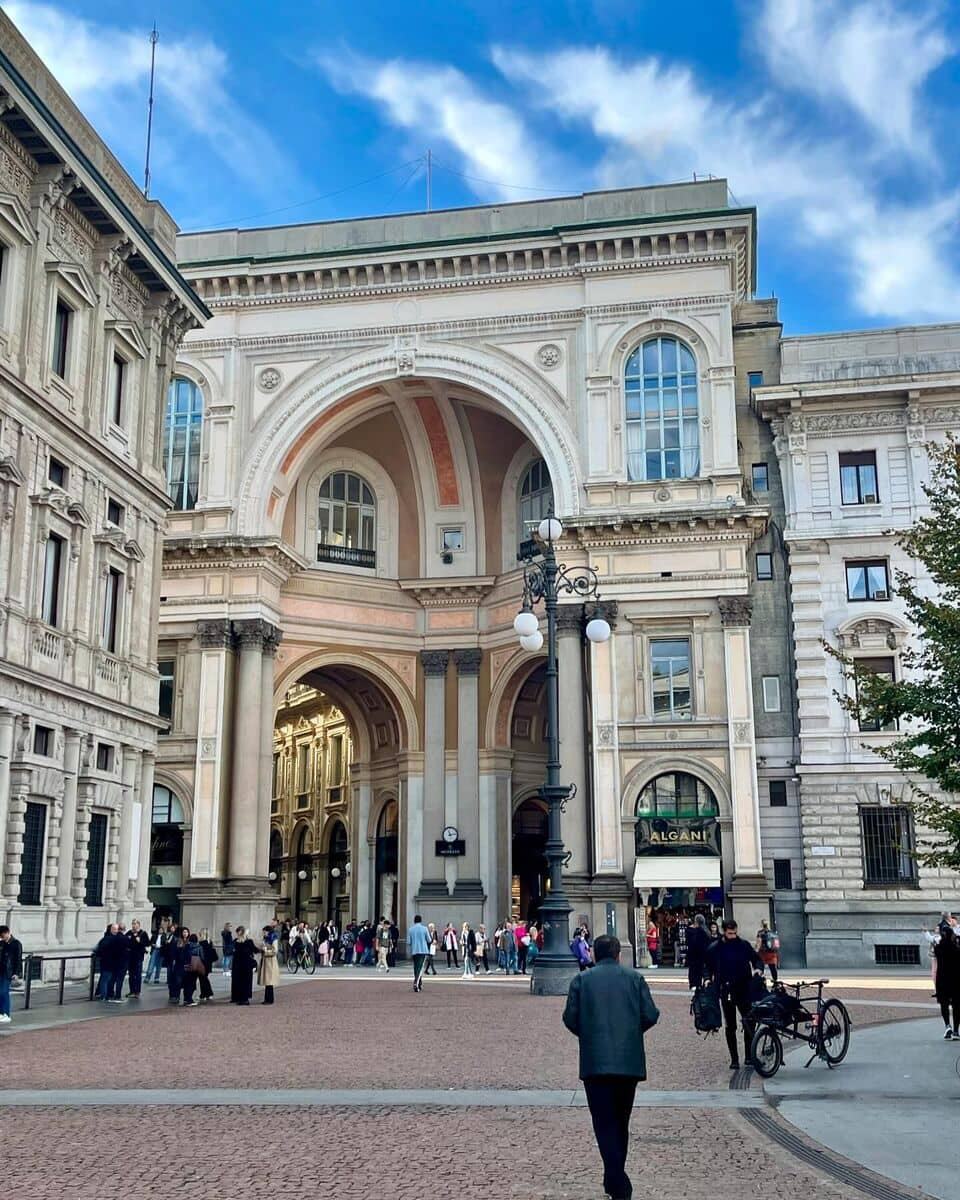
(68, 821)
(607, 839)
(247, 743)
(362, 875)
(128, 781)
(207, 841)
(434, 662)
(6, 754)
(749, 892)
(148, 762)
(573, 745)
(469, 887)
(271, 640)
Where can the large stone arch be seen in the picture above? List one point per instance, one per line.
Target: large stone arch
(283, 431)
(645, 772)
(701, 341)
(503, 695)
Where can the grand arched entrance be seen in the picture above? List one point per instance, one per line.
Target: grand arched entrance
(166, 872)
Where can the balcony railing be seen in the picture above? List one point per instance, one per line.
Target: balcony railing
(48, 645)
(349, 556)
(108, 669)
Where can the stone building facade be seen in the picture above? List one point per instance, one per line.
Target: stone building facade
(851, 418)
(385, 409)
(91, 311)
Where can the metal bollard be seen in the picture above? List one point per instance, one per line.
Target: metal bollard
(93, 972)
(63, 979)
(28, 980)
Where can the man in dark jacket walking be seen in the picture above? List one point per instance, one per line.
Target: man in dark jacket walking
(11, 967)
(609, 1009)
(731, 962)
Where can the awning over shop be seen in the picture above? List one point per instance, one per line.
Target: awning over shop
(677, 871)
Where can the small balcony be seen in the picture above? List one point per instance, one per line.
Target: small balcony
(347, 556)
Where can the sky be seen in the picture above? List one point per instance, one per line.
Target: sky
(834, 117)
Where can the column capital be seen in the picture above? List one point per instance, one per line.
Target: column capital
(259, 634)
(735, 610)
(468, 661)
(569, 618)
(215, 635)
(434, 662)
(607, 609)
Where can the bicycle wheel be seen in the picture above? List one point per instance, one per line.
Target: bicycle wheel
(293, 964)
(310, 963)
(833, 1039)
(766, 1051)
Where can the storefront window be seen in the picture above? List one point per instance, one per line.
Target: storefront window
(677, 795)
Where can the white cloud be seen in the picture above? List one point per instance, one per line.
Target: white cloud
(439, 104)
(106, 72)
(871, 56)
(657, 122)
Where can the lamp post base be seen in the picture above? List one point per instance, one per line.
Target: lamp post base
(551, 976)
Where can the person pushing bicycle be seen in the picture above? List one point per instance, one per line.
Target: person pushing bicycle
(731, 962)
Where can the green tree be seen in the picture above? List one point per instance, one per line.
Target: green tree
(928, 703)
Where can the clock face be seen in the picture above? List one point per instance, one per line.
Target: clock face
(450, 834)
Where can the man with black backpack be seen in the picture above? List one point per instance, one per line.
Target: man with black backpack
(731, 962)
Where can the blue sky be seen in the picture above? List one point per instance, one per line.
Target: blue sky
(834, 117)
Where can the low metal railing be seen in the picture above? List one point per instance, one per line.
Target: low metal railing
(33, 973)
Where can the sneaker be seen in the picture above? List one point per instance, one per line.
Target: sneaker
(735, 1065)
(948, 1034)
(4, 1019)
(192, 1004)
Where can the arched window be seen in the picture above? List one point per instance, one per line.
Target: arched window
(167, 809)
(347, 521)
(677, 795)
(535, 501)
(181, 442)
(660, 384)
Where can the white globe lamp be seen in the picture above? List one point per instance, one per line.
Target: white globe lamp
(598, 630)
(525, 623)
(533, 641)
(550, 529)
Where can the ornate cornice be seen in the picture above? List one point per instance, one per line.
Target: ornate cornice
(448, 593)
(735, 610)
(615, 529)
(434, 662)
(468, 661)
(190, 553)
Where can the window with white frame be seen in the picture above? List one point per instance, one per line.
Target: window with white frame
(60, 349)
(53, 568)
(112, 596)
(660, 386)
(181, 442)
(670, 673)
(346, 521)
(771, 693)
(117, 388)
(535, 500)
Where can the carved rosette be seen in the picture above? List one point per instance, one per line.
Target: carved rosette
(735, 610)
(434, 662)
(468, 661)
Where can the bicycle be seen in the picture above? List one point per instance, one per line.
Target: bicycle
(781, 1014)
(305, 958)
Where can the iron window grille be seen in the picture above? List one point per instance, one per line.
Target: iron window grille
(782, 875)
(31, 860)
(96, 860)
(888, 846)
(896, 956)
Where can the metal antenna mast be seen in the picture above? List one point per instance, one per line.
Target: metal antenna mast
(429, 180)
(154, 38)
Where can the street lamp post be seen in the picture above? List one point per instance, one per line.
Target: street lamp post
(545, 580)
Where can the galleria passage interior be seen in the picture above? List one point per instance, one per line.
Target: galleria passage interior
(359, 447)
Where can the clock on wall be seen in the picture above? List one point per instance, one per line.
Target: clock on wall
(450, 834)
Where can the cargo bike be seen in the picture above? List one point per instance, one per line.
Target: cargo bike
(798, 1011)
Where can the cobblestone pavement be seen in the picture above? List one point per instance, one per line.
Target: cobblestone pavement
(371, 1033)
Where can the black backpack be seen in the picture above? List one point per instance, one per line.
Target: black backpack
(705, 1007)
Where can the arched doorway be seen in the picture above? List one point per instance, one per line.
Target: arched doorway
(529, 882)
(165, 878)
(678, 870)
(302, 874)
(338, 867)
(387, 857)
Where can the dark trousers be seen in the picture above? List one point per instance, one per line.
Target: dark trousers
(189, 986)
(452, 960)
(419, 963)
(732, 1003)
(522, 958)
(430, 969)
(945, 1012)
(268, 993)
(136, 975)
(206, 991)
(174, 983)
(610, 1099)
(694, 972)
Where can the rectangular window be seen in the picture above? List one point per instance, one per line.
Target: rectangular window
(104, 757)
(670, 672)
(754, 380)
(118, 373)
(885, 667)
(31, 860)
(764, 566)
(868, 580)
(167, 670)
(335, 760)
(52, 579)
(760, 477)
(96, 860)
(778, 793)
(277, 781)
(858, 478)
(61, 339)
(303, 767)
(115, 512)
(771, 693)
(887, 839)
(111, 610)
(57, 472)
(782, 875)
(42, 740)
(893, 955)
